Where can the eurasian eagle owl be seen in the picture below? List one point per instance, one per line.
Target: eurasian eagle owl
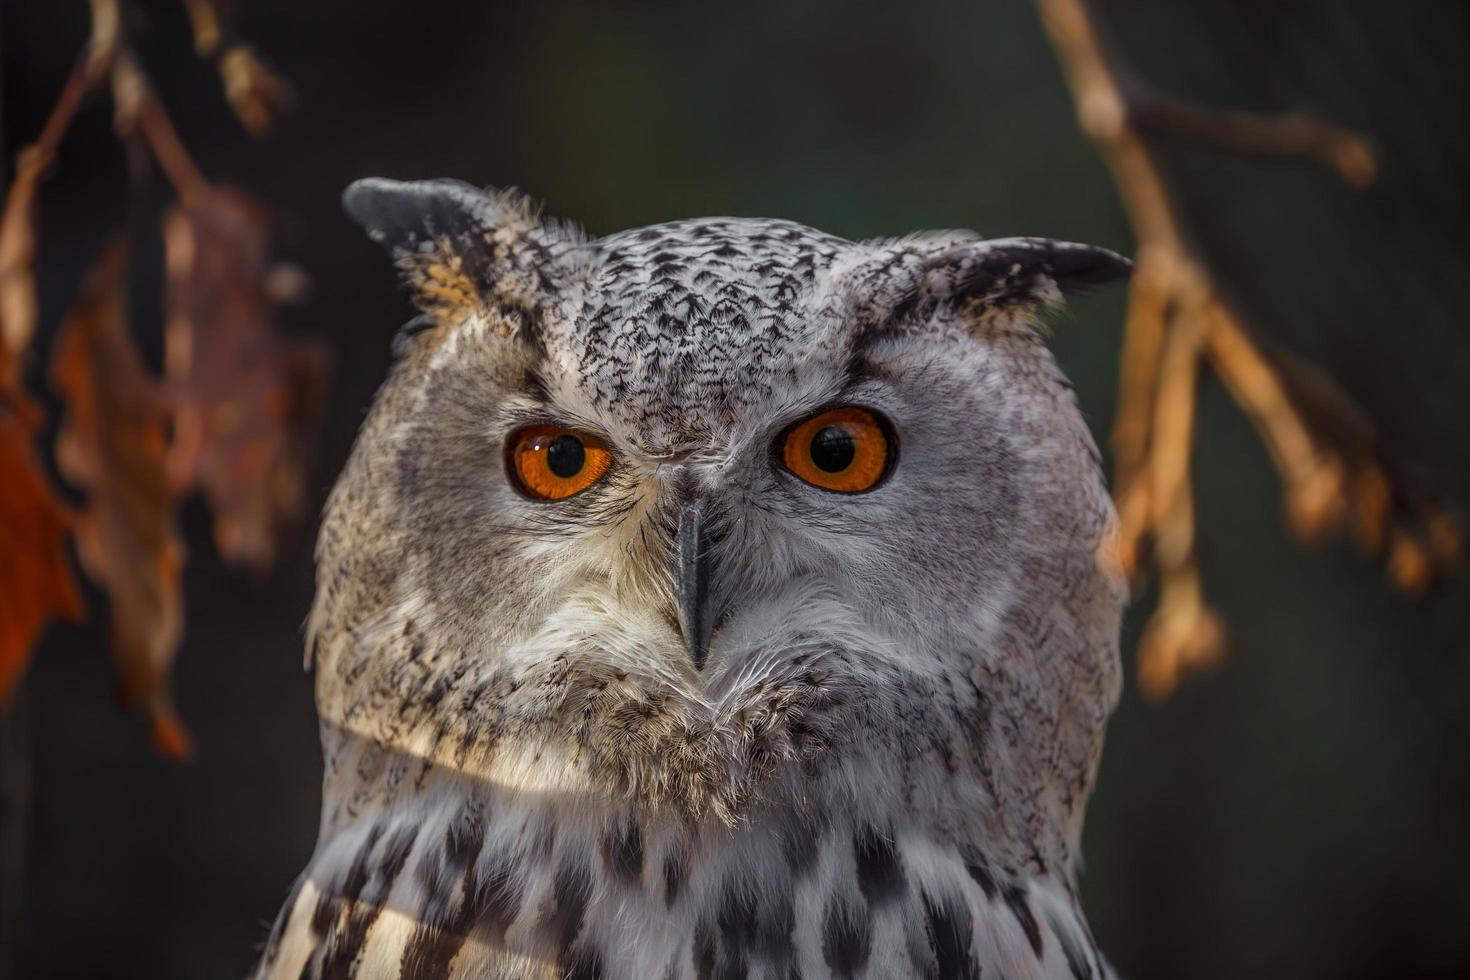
(717, 599)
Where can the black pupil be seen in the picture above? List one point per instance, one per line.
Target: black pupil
(832, 449)
(565, 456)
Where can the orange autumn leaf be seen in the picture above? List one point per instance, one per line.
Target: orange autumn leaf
(36, 584)
(247, 400)
(113, 444)
(36, 581)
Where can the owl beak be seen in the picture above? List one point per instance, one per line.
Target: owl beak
(691, 582)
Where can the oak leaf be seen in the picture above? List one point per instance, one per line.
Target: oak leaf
(36, 583)
(247, 399)
(113, 444)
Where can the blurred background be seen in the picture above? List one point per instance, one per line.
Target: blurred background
(1303, 811)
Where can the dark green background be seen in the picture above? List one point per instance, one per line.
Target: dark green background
(1303, 812)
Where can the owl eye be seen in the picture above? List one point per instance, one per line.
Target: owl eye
(845, 450)
(547, 462)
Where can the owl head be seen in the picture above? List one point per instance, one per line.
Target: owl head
(716, 514)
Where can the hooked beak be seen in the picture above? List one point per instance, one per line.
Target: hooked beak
(691, 582)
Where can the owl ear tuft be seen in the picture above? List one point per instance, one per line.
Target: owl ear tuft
(462, 250)
(1004, 273)
(994, 280)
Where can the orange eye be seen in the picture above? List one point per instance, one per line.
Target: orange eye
(547, 462)
(846, 450)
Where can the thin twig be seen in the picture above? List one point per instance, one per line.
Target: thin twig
(18, 221)
(204, 20)
(139, 112)
(1293, 134)
(257, 94)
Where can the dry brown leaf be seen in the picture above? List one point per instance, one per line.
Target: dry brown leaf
(36, 583)
(114, 443)
(247, 399)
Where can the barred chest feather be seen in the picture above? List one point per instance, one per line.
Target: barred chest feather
(508, 887)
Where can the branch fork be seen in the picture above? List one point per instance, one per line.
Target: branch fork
(1334, 470)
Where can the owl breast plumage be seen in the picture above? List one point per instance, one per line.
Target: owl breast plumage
(718, 599)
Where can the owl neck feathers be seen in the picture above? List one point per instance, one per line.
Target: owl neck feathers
(824, 727)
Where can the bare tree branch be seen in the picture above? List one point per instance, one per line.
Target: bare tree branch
(1325, 448)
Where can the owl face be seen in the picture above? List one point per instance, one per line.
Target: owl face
(699, 457)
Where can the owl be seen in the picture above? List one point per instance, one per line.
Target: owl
(718, 599)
